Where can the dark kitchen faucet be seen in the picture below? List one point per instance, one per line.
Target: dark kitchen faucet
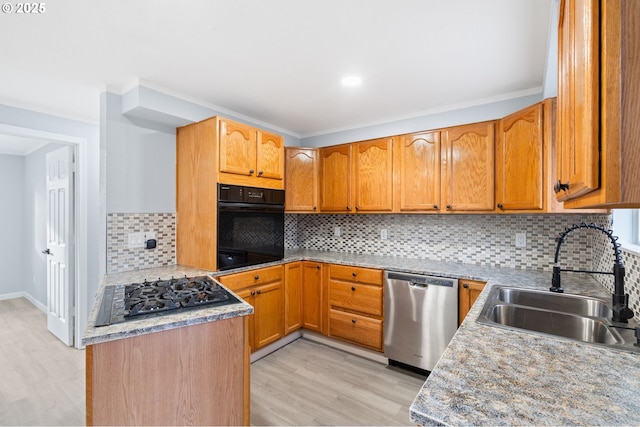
(620, 300)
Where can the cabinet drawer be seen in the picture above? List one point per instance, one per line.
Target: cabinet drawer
(245, 279)
(357, 297)
(356, 274)
(357, 329)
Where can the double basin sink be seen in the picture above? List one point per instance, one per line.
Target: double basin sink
(573, 317)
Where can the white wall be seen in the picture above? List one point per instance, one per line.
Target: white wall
(140, 163)
(11, 224)
(35, 223)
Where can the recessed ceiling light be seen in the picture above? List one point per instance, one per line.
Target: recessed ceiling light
(351, 80)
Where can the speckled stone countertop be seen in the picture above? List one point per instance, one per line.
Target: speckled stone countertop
(95, 335)
(487, 375)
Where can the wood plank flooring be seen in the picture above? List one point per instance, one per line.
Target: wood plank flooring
(306, 383)
(41, 379)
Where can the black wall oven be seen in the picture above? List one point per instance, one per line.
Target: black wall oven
(250, 226)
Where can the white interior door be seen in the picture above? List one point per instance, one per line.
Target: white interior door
(60, 238)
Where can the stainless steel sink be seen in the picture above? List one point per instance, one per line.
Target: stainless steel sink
(574, 304)
(579, 328)
(573, 317)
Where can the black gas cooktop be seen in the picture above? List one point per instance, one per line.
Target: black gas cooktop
(158, 297)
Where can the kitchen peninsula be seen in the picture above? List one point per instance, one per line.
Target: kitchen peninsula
(188, 368)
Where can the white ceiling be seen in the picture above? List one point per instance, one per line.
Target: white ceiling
(20, 146)
(278, 61)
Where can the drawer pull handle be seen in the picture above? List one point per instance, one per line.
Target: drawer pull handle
(354, 274)
(353, 288)
(258, 292)
(253, 293)
(256, 277)
(353, 321)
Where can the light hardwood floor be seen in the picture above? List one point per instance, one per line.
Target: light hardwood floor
(41, 379)
(306, 383)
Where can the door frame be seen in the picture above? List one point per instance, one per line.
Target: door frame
(81, 223)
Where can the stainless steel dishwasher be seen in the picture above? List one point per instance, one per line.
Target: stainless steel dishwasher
(420, 317)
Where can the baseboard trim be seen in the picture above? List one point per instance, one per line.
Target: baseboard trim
(346, 347)
(28, 297)
(259, 354)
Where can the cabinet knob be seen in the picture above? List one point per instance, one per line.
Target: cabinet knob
(318, 267)
(466, 286)
(348, 208)
(258, 291)
(253, 293)
(256, 277)
(315, 207)
(357, 207)
(354, 274)
(435, 206)
(353, 321)
(448, 206)
(251, 171)
(353, 288)
(260, 172)
(559, 186)
(499, 205)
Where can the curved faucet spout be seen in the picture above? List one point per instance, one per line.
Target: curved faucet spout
(620, 300)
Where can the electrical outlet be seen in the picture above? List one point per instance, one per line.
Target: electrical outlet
(521, 240)
(135, 240)
(383, 234)
(336, 231)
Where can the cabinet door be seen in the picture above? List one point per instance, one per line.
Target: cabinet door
(248, 296)
(301, 180)
(312, 296)
(578, 98)
(269, 314)
(292, 297)
(270, 156)
(468, 291)
(373, 175)
(419, 174)
(468, 167)
(519, 160)
(335, 178)
(237, 148)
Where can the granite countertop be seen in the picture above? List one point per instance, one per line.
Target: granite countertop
(95, 335)
(487, 375)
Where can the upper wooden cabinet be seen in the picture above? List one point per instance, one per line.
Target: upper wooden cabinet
(250, 156)
(417, 172)
(468, 167)
(520, 150)
(357, 177)
(598, 92)
(373, 175)
(301, 179)
(335, 179)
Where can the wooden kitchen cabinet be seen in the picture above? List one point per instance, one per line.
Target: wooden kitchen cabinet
(293, 302)
(468, 291)
(598, 91)
(301, 179)
(314, 307)
(250, 156)
(124, 376)
(468, 167)
(355, 300)
(417, 172)
(357, 177)
(264, 289)
(335, 178)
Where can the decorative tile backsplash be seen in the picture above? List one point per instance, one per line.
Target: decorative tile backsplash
(473, 239)
(121, 258)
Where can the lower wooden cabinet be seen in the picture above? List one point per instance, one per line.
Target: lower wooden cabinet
(468, 291)
(355, 305)
(314, 308)
(362, 330)
(293, 297)
(263, 288)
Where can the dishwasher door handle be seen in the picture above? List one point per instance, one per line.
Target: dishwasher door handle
(418, 285)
